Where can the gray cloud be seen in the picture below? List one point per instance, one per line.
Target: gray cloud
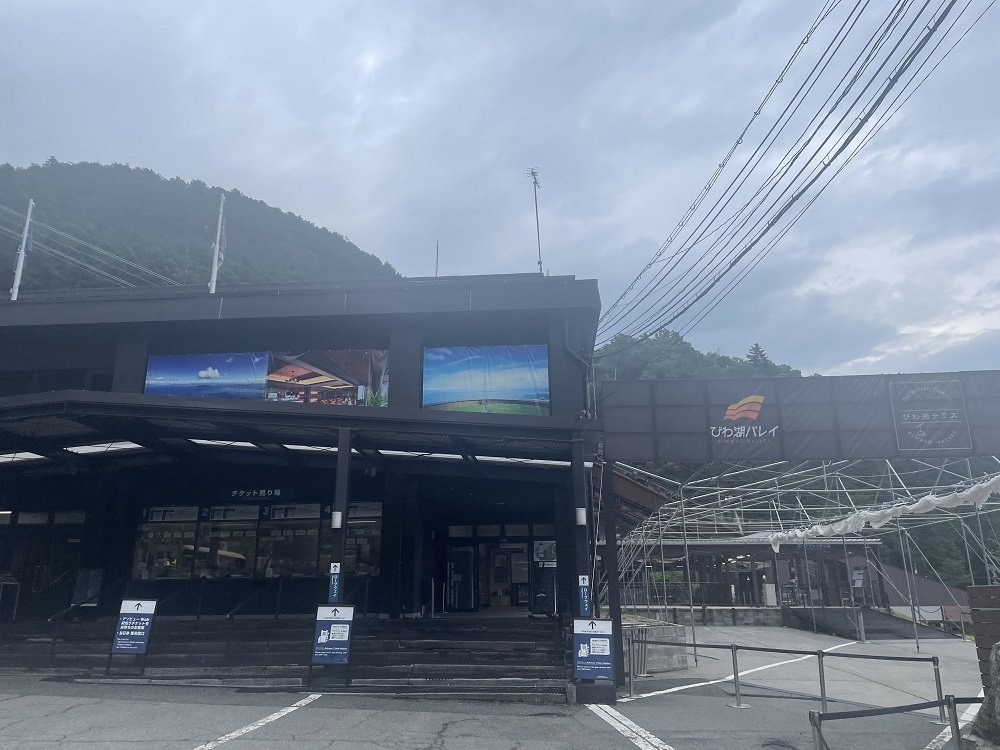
(400, 125)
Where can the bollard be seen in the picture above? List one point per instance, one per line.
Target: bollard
(631, 666)
(940, 696)
(641, 636)
(861, 626)
(822, 681)
(956, 730)
(736, 681)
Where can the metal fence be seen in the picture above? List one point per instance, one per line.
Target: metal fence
(636, 650)
(949, 702)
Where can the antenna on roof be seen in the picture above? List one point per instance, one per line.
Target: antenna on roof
(437, 256)
(533, 174)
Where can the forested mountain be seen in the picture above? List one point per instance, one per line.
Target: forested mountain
(165, 225)
(668, 355)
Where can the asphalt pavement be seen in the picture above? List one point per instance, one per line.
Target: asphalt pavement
(688, 710)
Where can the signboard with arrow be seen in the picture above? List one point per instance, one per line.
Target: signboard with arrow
(135, 621)
(593, 657)
(332, 639)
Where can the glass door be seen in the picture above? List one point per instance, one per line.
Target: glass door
(462, 579)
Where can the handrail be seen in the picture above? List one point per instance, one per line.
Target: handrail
(255, 594)
(790, 651)
(183, 589)
(71, 607)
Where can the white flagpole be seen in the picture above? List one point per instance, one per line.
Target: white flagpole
(19, 268)
(218, 238)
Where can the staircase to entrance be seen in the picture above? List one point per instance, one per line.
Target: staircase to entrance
(472, 656)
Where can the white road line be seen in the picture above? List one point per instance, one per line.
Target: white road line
(945, 737)
(729, 678)
(629, 729)
(258, 724)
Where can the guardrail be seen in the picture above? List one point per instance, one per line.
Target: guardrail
(816, 718)
(635, 648)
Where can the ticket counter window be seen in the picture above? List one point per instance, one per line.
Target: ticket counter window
(363, 542)
(225, 549)
(164, 550)
(288, 544)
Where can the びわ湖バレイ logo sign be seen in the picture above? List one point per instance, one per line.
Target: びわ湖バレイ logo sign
(747, 409)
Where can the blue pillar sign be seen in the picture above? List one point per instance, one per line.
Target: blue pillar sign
(332, 639)
(584, 596)
(593, 657)
(334, 595)
(135, 620)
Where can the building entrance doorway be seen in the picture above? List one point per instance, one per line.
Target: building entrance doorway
(45, 559)
(462, 579)
(504, 575)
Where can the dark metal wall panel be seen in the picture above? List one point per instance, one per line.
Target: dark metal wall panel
(868, 416)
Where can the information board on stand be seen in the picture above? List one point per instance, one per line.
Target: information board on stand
(593, 656)
(332, 638)
(135, 621)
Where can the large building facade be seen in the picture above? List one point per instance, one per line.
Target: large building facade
(219, 452)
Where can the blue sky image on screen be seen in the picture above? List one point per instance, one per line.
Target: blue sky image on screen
(225, 375)
(496, 379)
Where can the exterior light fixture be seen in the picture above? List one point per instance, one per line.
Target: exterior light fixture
(337, 520)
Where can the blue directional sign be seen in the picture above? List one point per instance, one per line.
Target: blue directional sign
(584, 596)
(334, 595)
(332, 638)
(593, 657)
(135, 621)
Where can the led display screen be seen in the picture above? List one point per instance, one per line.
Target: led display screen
(487, 379)
(340, 377)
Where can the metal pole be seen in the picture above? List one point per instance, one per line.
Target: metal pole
(822, 680)
(21, 250)
(663, 569)
(215, 253)
(850, 589)
(986, 556)
(916, 592)
(687, 568)
(909, 589)
(645, 570)
(533, 174)
(968, 557)
(956, 730)
(631, 665)
(736, 680)
(814, 721)
(937, 686)
(433, 596)
(809, 586)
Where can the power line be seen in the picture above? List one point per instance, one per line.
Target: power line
(739, 237)
(101, 251)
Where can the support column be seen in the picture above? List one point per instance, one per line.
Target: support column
(341, 489)
(581, 536)
(392, 543)
(609, 512)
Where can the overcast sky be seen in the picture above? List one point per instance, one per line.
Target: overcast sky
(401, 124)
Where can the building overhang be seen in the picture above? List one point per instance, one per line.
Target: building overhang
(52, 431)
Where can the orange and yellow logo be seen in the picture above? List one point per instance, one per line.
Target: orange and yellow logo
(745, 408)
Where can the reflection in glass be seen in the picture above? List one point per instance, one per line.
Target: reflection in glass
(225, 549)
(163, 550)
(287, 548)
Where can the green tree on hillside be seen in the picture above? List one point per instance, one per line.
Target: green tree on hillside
(667, 355)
